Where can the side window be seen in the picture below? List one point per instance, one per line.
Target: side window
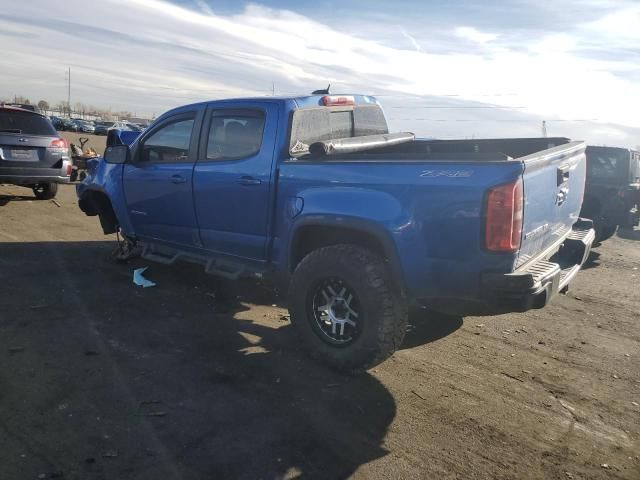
(235, 134)
(169, 144)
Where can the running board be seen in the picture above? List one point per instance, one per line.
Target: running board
(222, 268)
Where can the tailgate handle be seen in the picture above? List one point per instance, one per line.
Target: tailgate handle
(563, 174)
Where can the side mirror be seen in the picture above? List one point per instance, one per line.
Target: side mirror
(117, 154)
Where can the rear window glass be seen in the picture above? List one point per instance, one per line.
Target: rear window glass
(311, 125)
(12, 121)
(607, 164)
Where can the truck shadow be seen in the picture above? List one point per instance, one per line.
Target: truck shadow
(180, 387)
(593, 260)
(426, 326)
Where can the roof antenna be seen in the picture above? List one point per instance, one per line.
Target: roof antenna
(322, 92)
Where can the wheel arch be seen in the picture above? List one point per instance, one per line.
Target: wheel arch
(95, 202)
(314, 233)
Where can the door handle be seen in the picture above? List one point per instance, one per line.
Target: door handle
(249, 181)
(177, 179)
(563, 174)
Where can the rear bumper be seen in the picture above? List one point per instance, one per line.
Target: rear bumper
(534, 284)
(31, 176)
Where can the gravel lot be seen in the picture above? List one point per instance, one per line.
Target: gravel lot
(100, 379)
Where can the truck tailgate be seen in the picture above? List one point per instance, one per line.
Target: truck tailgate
(553, 190)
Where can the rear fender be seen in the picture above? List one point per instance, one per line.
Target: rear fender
(371, 214)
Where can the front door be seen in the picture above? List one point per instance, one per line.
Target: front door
(232, 178)
(158, 183)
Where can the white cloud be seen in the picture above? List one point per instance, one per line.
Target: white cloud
(411, 39)
(161, 55)
(475, 35)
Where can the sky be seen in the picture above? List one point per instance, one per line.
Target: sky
(454, 69)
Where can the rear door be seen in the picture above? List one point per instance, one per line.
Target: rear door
(25, 138)
(553, 191)
(232, 179)
(158, 183)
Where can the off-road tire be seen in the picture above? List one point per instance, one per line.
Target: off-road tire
(46, 191)
(383, 305)
(605, 232)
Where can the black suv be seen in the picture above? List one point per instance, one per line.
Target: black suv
(612, 191)
(31, 152)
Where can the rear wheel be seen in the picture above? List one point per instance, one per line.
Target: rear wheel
(606, 232)
(346, 307)
(45, 191)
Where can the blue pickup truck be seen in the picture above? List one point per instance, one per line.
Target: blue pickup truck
(359, 223)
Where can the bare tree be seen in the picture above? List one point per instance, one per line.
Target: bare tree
(21, 99)
(43, 105)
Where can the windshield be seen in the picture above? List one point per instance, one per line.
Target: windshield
(25, 123)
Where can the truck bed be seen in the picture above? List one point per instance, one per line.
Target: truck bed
(484, 150)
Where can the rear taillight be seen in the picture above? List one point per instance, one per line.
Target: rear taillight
(58, 143)
(503, 217)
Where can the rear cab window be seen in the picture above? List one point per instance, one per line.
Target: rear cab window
(25, 123)
(607, 164)
(234, 134)
(316, 124)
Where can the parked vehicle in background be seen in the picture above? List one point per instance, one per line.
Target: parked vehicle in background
(67, 124)
(32, 154)
(57, 122)
(83, 126)
(359, 223)
(138, 127)
(125, 127)
(103, 127)
(612, 194)
(24, 106)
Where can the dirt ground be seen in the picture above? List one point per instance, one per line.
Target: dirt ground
(100, 379)
(97, 142)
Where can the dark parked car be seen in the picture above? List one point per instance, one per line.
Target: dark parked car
(102, 128)
(83, 126)
(67, 124)
(24, 106)
(57, 123)
(612, 193)
(32, 154)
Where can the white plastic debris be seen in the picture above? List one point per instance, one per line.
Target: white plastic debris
(139, 279)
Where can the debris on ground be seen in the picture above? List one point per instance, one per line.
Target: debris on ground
(55, 202)
(16, 349)
(140, 280)
(110, 454)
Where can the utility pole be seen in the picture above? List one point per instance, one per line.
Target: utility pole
(69, 90)
(544, 128)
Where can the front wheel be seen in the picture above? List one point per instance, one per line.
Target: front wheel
(346, 307)
(45, 191)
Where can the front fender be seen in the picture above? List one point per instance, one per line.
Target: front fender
(106, 178)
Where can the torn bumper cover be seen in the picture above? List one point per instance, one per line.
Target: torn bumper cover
(535, 283)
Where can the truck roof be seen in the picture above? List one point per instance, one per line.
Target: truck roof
(602, 147)
(295, 102)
